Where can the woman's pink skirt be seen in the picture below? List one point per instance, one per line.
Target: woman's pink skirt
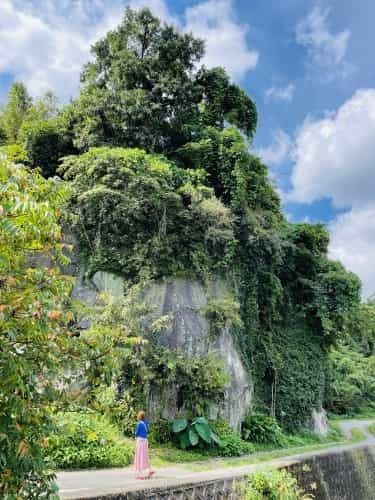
(141, 461)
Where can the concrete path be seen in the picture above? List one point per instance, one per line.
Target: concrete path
(93, 483)
(348, 425)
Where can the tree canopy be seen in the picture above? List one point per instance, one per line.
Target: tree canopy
(145, 89)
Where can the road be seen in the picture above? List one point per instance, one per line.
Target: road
(89, 484)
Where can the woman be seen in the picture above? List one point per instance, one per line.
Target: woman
(142, 461)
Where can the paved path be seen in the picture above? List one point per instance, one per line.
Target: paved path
(88, 484)
(362, 425)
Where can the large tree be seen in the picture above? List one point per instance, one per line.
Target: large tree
(144, 88)
(17, 107)
(37, 344)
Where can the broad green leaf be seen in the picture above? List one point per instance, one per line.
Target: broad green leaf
(184, 440)
(204, 431)
(193, 437)
(179, 424)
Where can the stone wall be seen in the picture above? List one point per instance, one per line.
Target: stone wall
(347, 475)
(223, 489)
(341, 475)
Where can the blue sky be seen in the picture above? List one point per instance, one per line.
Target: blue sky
(308, 65)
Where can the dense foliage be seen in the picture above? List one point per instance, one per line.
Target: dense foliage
(275, 485)
(143, 90)
(142, 217)
(34, 341)
(262, 429)
(165, 186)
(352, 364)
(42, 353)
(196, 432)
(170, 377)
(82, 441)
(208, 209)
(37, 127)
(230, 442)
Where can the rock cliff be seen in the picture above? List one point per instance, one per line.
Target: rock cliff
(183, 300)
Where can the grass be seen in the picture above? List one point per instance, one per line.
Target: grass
(356, 435)
(294, 443)
(261, 456)
(371, 428)
(366, 414)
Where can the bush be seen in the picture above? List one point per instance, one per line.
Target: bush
(87, 440)
(231, 444)
(120, 411)
(222, 313)
(45, 144)
(13, 153)
(274, 485)
(352, 379)
(197, 433)
(262, 429)
(161, 432)
(156, 230)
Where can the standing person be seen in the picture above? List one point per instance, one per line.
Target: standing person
(142, 461)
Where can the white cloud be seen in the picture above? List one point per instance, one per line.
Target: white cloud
(277, 152)
(281, 93)
(353, 243)
(326, 50)
(47, 49)
(45, 44)
(335, 158)
(226, 45)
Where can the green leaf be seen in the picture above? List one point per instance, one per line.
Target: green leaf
(179, 424)
(184, 440)
(200, 420)
(215, 438)
(204, 431)
(193, 437)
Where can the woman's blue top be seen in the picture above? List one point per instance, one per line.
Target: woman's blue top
(141, 429)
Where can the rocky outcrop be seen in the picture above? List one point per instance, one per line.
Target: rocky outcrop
(319, 421)
(183, 300)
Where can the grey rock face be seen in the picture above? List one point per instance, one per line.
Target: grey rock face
(184, 300)
(319, 421)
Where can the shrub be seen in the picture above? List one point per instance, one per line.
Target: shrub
(13, 153)
(231, 444)
(87, 440)
(120, 411)
(155, 229)
(274, 485)
(45, 144)
(222, 313)
(262, 429)
(195, 433)
(161, 432)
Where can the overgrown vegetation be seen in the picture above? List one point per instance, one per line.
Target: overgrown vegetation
(172, 378)
(82, 441)
(262, 429)
(221, 314)
(352, 364)
(276, 485)
(194, 433)
(159, 181)
(140, 216)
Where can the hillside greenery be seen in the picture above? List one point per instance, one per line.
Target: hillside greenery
(151, 168)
